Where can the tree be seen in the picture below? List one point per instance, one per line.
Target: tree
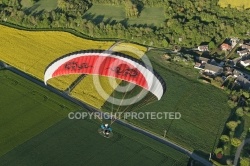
(246, 109)
(224, 138)
(232, 125)
(246, 94)
(211, 45)
(131, 9)
(62, 4)
(218, 79)
(235, 142)
(219, 152)
(244, 161)
(164, 43)
(239, 112)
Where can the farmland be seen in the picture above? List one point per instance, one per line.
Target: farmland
(108, 13)
(32, 52)
(236, 4)
(47, 5)
(151, 16)
(34, 60)
(32, 132)
(27, 110)
(203, 107)
(101, 13)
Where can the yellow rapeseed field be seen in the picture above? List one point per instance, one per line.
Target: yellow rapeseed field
(130, 49)
(235, 3)
(33, 51)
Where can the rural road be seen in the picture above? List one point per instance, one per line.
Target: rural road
(123, 123)
(239, 149)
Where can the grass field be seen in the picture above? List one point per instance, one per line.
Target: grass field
(47, 5)
(149, 15)
(26, 110)
(203, 108)
(130, 49)
(25, 114)
(234, 3)
(98, 13)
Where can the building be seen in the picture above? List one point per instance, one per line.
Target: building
(225, 47)
(234, 41)
(197, 65)
(243, 82)
(246, 46)
(228, 71)
(202, 60)
(236, 73)
(203, 48)
(245, 63)
(210, 69)
(243, 52)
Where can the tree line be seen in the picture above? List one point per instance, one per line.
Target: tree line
(188, 22)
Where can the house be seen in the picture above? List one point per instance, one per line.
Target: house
(203, 48)
(243, 82)
(222, 63)
(197, 65)
(236, 73)
(245, 63)
(231, 63)
(245, 60)
(213, 62)
(202, 60)
(234, 41)
(246, 46)
(210, 69)
(225, 47)
(228, 71)
(243, 52)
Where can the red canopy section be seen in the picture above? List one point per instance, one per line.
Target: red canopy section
(104, 66)
(108, 64)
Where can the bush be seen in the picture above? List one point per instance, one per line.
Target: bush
(239, 112)
(232, 125)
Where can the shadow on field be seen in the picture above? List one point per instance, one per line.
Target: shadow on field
(29, 10)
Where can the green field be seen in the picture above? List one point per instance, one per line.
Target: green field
(98, 13)
(27, 110)
(240, 4)
(47, 5)
(203, 107)
(149, 15)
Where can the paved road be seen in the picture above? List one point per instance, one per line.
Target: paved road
(89, 108)
(239, 149)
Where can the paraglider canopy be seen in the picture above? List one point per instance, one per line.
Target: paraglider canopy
(110, 64)
(148, 85)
